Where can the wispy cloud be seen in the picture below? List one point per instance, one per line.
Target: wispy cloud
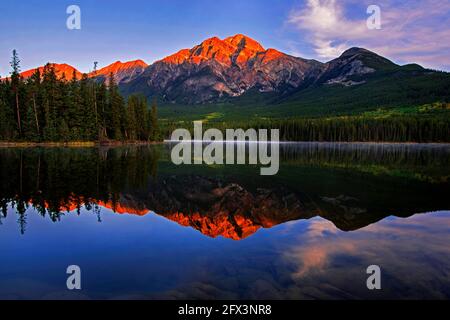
(413, 252)
(412, 31)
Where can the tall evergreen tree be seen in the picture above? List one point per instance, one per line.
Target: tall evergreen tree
(117, 107)
(94, 97)
(51, 103)
(46, 107)
(7, 122)
(75, 112)
(15, 85)
(89, 126)
(140, 110)
(153, 122)
(34, 90)
(132, 118)
(102, 105)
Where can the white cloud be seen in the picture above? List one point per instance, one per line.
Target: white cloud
(326, 49)
(329, 29)
(412, 31)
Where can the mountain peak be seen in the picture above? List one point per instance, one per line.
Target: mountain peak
(354, 51)
(122, 71)
(139, 62)
(60, 70)
(367, 58)
(237, 49)
(244, 41)
(119, 65)
(211, 41)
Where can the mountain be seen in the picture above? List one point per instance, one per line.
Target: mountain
(217, 208)
(231, 210)
(123, 71)
(224, 68)
(353, 62)
(359, 81)
(60, 70)
(250, 80)
(241, 72)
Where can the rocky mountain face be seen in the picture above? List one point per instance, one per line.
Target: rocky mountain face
(223, 209)
(228, 209)
(123, 72)
(223, 68)
(219, 69)
(60, 71)
(352, 63)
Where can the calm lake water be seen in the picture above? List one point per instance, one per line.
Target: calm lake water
(140, 227)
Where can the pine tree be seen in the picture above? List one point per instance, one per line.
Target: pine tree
(153, 122)
(8, 125)
(94, 97)
(74, 109)
(117, 107)
(88, 120)
(63, 131)
(4, 121)
(132, 124)
(48, 108)
(15, 85)
(137, 106)
(34, 85)
(30, 129)
(102, 105)
(50, 90)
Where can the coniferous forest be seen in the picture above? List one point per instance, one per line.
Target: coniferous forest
(48, 108)
(45, 108)
(359, 129)
(411, 128)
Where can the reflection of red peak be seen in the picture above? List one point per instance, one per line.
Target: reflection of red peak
(207, 205)
(236, 227)
(76, 202)
(123, 209)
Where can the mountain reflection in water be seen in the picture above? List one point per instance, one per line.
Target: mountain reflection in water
(350, 185)
(309, 232)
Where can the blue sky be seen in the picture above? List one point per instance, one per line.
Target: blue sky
(412, 31)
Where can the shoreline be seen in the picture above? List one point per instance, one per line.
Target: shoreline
(93, 144)
(316, 142)
(75, 144)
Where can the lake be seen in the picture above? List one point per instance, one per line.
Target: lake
(140, 227)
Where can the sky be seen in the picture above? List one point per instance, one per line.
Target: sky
(411, 30)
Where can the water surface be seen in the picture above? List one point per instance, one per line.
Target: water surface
(141, 227)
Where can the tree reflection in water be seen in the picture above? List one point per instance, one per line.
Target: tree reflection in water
(351, 185)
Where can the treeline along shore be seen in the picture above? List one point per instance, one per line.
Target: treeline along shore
(358, 128)
(47, 109)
